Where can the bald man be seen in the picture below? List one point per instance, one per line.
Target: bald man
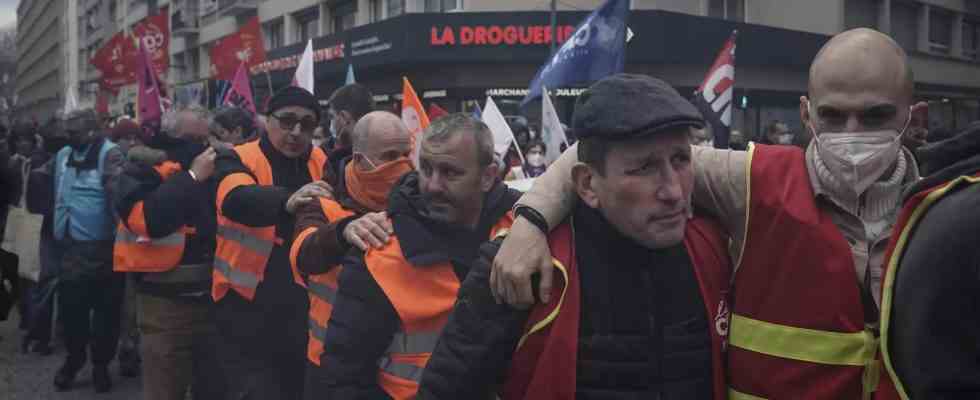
(329, 229)
(809, 229)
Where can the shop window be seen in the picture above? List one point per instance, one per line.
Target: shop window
(732, 10)
(274, 35)
(396, 8)
(971, 39)
(443, 5)
(940, 30)
(344, 16)
(905, 24)
(307, 25)
(861, 13)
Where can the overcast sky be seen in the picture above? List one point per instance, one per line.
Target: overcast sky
(8, 11)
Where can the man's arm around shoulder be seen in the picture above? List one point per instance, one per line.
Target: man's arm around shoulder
(475, 348)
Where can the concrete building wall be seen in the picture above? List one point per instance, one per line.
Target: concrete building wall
(824, 16)
(40, 58)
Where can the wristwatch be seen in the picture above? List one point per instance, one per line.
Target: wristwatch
(533, 216)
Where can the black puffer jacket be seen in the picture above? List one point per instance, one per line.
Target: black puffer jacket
(934, 326)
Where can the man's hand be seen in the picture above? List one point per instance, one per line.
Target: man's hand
(371, 230)
(524, 253)
(308, 194)
(203, 165)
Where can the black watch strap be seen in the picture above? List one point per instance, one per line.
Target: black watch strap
(533, 216)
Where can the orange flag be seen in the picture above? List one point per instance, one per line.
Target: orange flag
(413, 114)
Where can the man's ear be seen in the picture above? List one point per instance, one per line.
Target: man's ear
(488, 177)
(804, 111)
(585, 179)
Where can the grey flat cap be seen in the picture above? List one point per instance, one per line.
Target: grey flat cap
(625, 106)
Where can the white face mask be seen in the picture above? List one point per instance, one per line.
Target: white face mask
(317, 142)
(786, 138)
(535, 160)
(858, 159)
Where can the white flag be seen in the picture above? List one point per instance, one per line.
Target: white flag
(552, 133)
(304, 72)
(502, 135)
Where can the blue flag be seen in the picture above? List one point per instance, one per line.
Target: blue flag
(596, 50)
(477, 112)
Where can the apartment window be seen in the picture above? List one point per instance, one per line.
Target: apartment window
(733, 10)
(940, 30)
(307, 24)
(274, 34)
(377, 10)
(396, 8)
(443, 5)
(861, 13)
(905, 24)
(344, 16)
(971, 39)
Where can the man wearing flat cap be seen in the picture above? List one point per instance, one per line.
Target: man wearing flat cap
(261, 312)
(640, 310)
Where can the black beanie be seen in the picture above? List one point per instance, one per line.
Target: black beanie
(294, 96)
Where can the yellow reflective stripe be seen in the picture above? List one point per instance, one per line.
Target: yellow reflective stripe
(736, 395)
(821, 347)
(889, 282)
(554, 313)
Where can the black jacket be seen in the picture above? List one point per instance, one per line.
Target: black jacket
(934, 329)
(169, 205)
(643, 328)
(364, 321)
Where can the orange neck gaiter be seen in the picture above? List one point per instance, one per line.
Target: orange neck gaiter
(370, 188)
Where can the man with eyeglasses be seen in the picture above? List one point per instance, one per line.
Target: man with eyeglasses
(261, 312)
(809, 229)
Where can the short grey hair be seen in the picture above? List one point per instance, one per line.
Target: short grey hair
(451, 125)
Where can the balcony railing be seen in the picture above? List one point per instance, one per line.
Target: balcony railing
(237, 7)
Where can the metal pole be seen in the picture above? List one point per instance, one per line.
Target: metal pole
(554, 25)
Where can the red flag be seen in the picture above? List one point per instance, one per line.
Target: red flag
(148, 104)
(715, 96)
(436, 112)
(240, 94)
(243, 46)
(118, 59)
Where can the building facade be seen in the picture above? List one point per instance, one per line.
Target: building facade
(456, 52)
(43, 59)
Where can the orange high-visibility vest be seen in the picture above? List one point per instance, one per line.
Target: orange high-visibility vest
(912, 213)
(242, 251)
(322, 288)
(135, 251)
(423, 299)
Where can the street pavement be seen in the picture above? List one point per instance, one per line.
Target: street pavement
(30, 376)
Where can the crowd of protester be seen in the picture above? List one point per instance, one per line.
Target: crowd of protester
(327, 253)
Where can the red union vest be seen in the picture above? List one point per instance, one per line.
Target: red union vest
(135, 251)
(242, 251)
(913, 211)
(797, 329)
(322, 288)
(542, 366)
(423, 298)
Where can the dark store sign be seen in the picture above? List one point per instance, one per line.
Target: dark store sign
(319, 55)
(494, 35)
(507, 92)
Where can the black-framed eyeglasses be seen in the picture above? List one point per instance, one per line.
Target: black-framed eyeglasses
(288, 122)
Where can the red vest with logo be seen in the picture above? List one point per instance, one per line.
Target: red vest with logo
(543, 364)
(912, 213)
(797, 329)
